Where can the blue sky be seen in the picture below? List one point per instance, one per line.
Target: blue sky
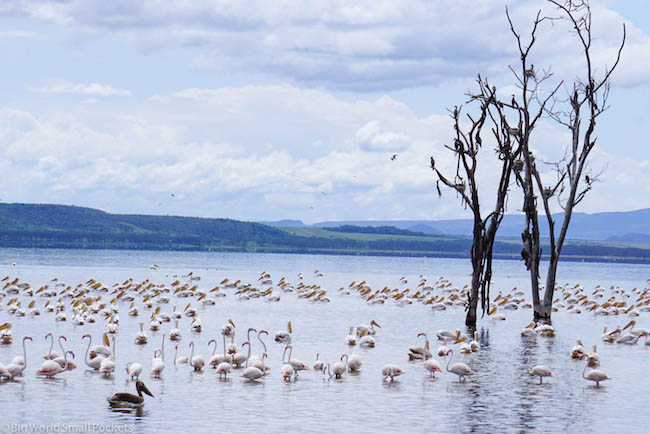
(262, 110)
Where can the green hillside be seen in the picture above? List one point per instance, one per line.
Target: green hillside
(59, 226)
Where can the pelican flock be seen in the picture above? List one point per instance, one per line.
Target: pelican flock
(94, 301)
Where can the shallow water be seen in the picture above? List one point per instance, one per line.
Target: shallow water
(501, 397)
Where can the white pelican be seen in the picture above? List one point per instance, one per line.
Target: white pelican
(529, 331)
(459, 369)
(578, 350)
(446, 335)
(594, 375)
(196, 361)
(18, 364)
(540, 371)
(107, 366)
(141, 337)
(128, 399)
(593, 358)
(352, 338)
(175, 333)
(392, 371)
(366, 341)
(369, 329)
(50, 368)
(442, 351)
(284, 337)
(134, 370)
(474, 345)
(416, 352)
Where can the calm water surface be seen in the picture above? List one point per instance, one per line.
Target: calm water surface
(501, 397)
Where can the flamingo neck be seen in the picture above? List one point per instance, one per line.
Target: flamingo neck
(259, 338)
(90, 341)
(51, 342)
(192, 352)
(449, 362)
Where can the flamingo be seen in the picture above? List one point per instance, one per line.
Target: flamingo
(18, 364)
(540, 371)
(392, 371)
(252, 373)
(224, 368)
(256, 359)
(287, 372)
(196, 361)
(354, 363)
(318, 364)
(339, 368)
(4, 372)
(158, 363)
(96, 361)
(60, 360)
(180, 360)
(459, 369)
(297, 364)
(134, 370)
(432, 366)
(594, 375)
(50, 368)
(51, 354)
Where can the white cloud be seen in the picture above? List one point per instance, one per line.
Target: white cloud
(365, 46)
(92, 89)
(248, 153)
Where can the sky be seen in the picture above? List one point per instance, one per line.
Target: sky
(269, 110)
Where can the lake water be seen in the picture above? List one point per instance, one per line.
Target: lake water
(501, 397)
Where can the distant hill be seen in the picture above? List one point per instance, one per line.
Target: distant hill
(598, 226)
(62, 226)
(59, 226)
(284, 223)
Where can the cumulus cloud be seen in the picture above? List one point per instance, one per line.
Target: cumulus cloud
(247, 153)
(371, 137)
(90, 89)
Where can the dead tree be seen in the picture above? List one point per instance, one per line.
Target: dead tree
(467, 143)
(530, 107)
(586, 100)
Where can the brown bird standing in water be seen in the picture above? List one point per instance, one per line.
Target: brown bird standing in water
(129, 399)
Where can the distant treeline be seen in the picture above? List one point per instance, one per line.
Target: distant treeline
(57, 226)
(388, 230)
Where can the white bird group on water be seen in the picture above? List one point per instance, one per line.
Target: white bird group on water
(85, 301)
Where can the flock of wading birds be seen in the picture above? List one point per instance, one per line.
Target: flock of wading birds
(87, 302)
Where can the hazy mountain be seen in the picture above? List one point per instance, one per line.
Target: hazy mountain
(599, 226)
